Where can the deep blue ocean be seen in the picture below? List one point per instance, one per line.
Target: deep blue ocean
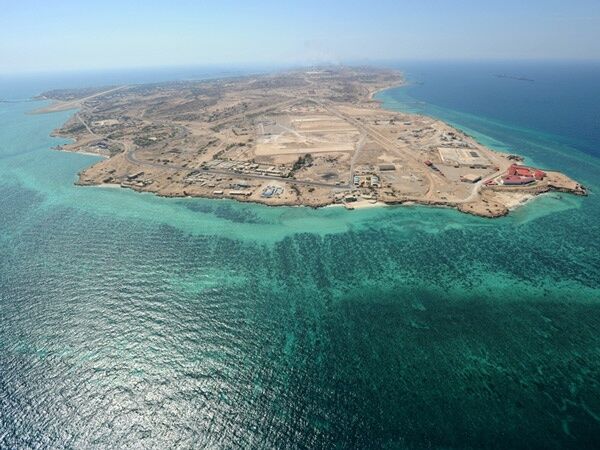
(560, 99)
(129, 320)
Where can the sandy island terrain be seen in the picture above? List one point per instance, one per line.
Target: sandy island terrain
(311, 138)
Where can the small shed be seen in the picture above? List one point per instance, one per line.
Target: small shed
(470, 178)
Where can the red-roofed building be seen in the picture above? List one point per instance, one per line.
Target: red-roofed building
(524, 171)
(516, 180)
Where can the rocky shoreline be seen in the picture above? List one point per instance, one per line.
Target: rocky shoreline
(482, 208)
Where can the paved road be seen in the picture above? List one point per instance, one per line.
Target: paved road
(359, 146)
(477, 187)
(85, 124)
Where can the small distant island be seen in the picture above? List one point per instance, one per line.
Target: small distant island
(312, 138)
(514, 77)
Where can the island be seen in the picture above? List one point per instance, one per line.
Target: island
(305, 137)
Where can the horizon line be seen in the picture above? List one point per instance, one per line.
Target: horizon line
(285, 65)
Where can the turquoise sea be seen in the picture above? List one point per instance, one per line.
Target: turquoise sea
(132, 321)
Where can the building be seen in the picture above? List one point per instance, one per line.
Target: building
(524, 171)
(386, 167)
(366, 181)
(516, 180)
(463, 157)
(470, 178)
(517, 175)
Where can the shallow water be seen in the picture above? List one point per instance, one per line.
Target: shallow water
(133, 320)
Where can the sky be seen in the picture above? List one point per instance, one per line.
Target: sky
(58, 35)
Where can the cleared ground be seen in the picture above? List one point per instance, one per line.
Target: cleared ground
(308, 133)
(463, 157)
